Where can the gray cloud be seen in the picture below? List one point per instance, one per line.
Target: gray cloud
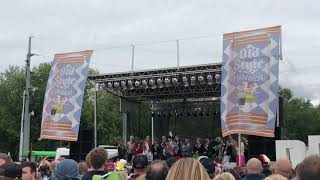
(61, 26)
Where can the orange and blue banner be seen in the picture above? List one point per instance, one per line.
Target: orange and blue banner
(64, 96)
(249, 81)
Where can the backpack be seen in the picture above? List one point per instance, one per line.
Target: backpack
(108, 176)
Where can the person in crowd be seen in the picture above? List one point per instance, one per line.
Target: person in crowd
(244, 140)
(88, 164)
(309, 168)
(4, 158)
(187, 168)
(139, 164)
(254, 169)
(138, 149)
(44, 169)
(121, 150)
(53, 165)
(29, 170)
(162, 147)
(217, 166)
(186, 148)
(177, 140)
(130, 147)
(142, 177)
(238, 170)
(266, 168)
(283, 167)
(234, 173)
(10, 171)
(229, 139)
(147, 148)
(171, 148)
(208, 165)
(82, 168)
(205, 148)
(197, 148)
(275, 177)
(97, 158)
(156, 149)
(67, 169)
(230, 155)
(170, 161)
(224, 176)
(217, 148)
(157, 170)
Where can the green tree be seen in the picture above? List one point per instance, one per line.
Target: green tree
(12, 84)
(301, 118)
(11, 92)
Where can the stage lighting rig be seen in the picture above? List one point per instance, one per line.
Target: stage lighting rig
(201, 79)
(152, 84)
(145, 84)
(130, 84)
(185, 81)
(193, 80)
(109, 84)
(137, 83)
(217, 76)
(160, 83)
(175, 81)
(123, 85)
(210, 79)
(167, 81)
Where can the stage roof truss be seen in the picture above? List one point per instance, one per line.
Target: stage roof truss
(169, 83)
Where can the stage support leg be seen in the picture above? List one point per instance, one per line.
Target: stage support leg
(124, 128)
(152, 124)
(95, 117)
(152, 130)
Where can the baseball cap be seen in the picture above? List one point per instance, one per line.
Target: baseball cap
(264, 159)
(11, 170)
(140, 162)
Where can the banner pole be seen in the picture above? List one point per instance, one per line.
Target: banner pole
(239, 148)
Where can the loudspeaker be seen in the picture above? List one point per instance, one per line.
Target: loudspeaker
(261, 145)
(80, 148)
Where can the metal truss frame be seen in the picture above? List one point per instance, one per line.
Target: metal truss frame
(174, 91)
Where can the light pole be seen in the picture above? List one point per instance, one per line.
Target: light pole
(96, 89)
(26, 124)
(21, 127)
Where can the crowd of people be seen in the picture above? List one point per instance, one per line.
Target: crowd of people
(172, 158)
(217, 149)
(96, 167)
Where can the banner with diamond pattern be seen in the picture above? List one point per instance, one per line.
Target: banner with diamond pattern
(249, 82)
(64, 95)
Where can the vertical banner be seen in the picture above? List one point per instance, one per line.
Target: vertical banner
(249, 82)
(64, 95)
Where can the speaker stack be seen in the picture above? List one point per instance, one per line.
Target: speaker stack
(80, 149)
(264, 145)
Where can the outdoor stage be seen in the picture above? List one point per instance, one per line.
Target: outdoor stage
(181, 99)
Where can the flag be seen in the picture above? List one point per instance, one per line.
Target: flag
(249, 81)
(64, 95)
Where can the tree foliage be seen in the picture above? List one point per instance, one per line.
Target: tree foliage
(12, 84)
(301, 118)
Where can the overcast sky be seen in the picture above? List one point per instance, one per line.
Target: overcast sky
(110, 26)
